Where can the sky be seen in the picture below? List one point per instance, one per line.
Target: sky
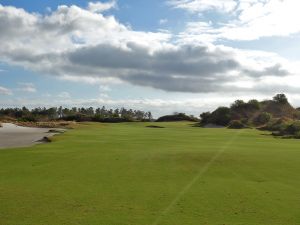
(165, 56)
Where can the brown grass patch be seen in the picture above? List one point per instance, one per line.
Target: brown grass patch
(49, 124)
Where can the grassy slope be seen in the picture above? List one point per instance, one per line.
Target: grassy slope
(126, 174)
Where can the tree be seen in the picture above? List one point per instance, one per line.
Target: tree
(60, 112)
(221, 116)
(253, 104)
(238, 105)
(52, 113)
(280, 98)
(149, 116)
(205, 117)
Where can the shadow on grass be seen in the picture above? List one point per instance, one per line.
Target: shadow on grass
(154, 126)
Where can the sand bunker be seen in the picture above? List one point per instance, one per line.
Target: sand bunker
(16, 136)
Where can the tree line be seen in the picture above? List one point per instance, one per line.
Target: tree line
(76, 114)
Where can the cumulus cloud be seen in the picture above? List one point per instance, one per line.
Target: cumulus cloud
(99, 7)
(27, 87)
(5, 91)
(92, 47)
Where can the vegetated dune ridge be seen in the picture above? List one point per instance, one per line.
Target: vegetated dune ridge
(12, 135)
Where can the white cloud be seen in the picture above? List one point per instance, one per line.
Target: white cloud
(93, 48)
(198, 6)
(5, 91)
(98, 7)
(27, 87)
(91, 80)
(264, 19)
(249, 20)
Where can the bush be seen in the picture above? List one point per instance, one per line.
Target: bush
(297, 135)
(236, 124)
(221, 116)
(277, 125)
(293, 129)
(263, 118)
(205, 117)
(245, 121)
(254, 104)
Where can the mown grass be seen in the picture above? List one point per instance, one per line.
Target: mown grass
(129, 174)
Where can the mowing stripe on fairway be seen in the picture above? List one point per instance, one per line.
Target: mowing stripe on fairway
(197, 177)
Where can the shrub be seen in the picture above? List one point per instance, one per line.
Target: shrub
(245, 121)
(297, 135)
(254, 104)
(277, 124)
(293, 128)
(205, 117)
(221, 116)
(236, 124)
(263, 118)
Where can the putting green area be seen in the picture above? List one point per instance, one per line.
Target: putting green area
(131, 174)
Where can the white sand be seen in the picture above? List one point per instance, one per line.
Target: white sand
(16, 136)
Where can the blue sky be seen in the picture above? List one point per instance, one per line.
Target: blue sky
(163, 56)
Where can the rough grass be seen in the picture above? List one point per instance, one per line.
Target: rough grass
(49, 124)
(128, 174)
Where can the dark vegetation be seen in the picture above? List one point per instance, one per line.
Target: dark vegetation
(236, 124)
(284, 127)
(74, 114)
(276, 115)
(177, 117)
(154, 126)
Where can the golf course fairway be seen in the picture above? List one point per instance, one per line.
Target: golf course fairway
(131, 174)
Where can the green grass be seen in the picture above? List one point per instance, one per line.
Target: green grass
(127, 174)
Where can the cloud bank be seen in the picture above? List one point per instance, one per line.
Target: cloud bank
(89, 45)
